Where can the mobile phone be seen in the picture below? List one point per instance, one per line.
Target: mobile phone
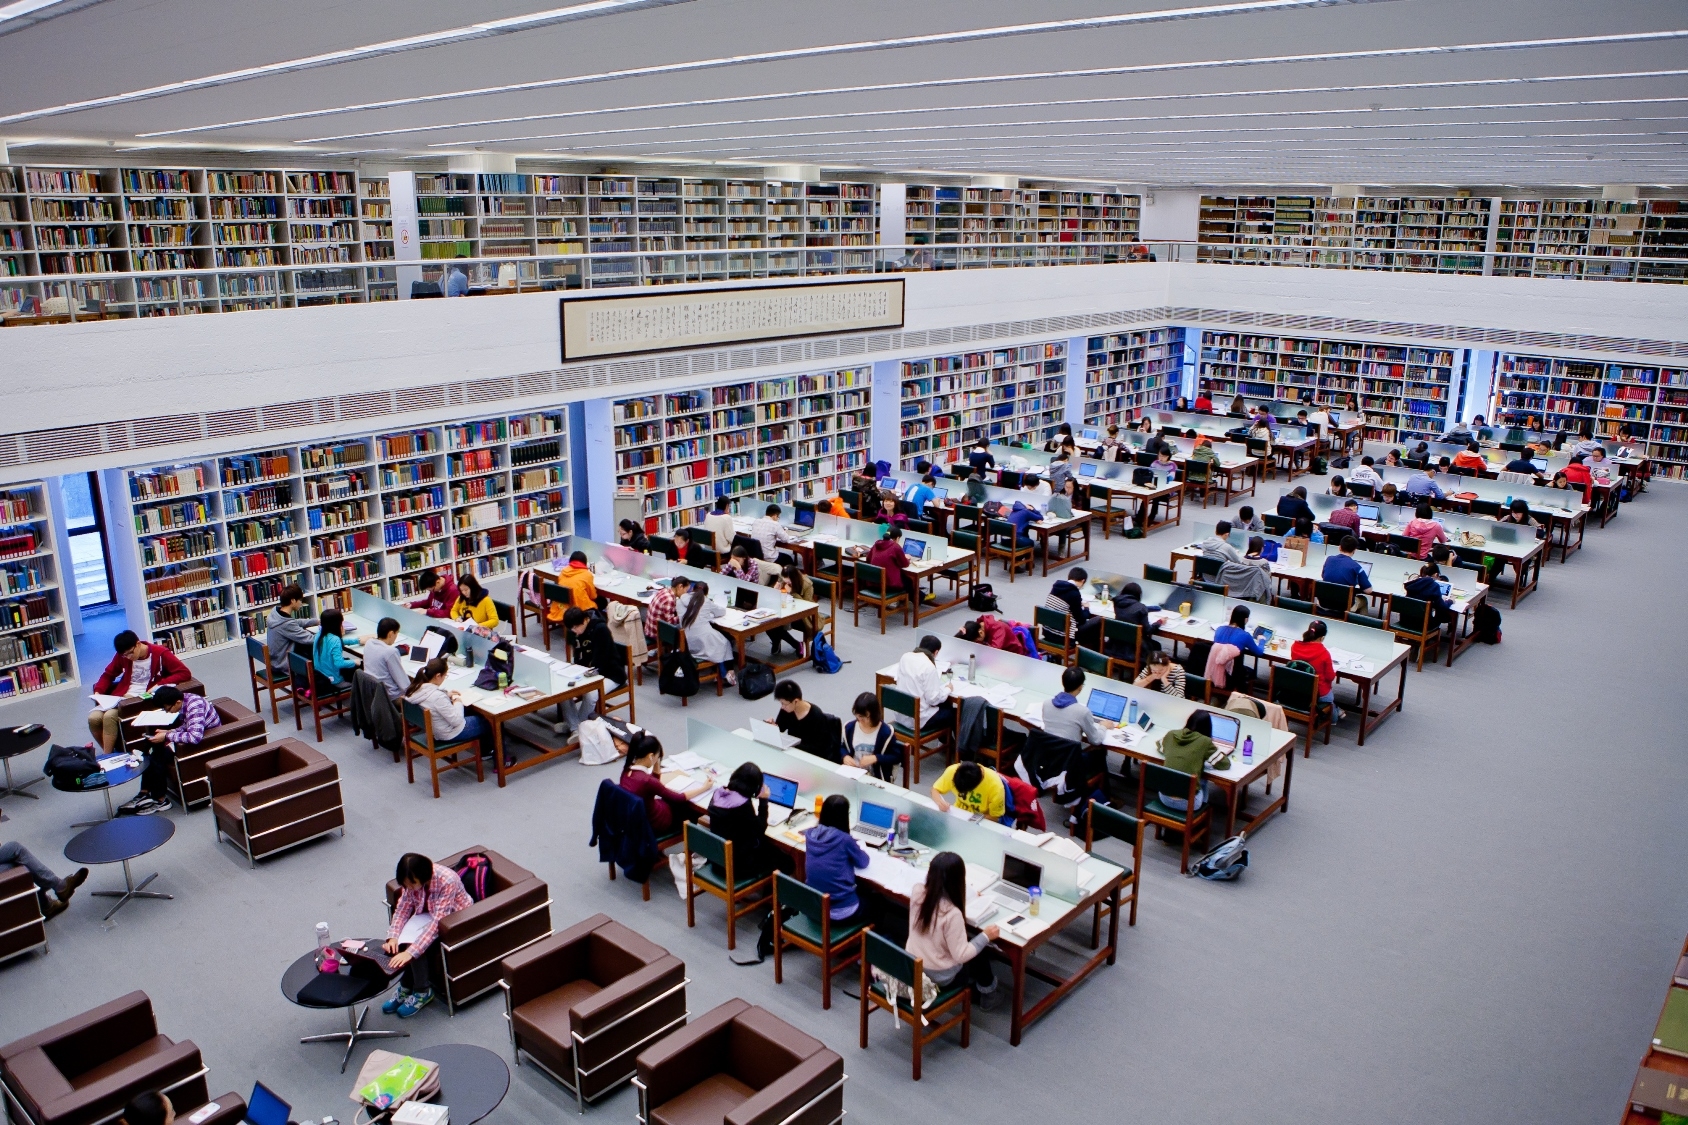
(1015, 921)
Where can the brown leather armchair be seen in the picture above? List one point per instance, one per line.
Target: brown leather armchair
(22, 925)
(467, 958)
(134, 737)
(242, 728)
(272, 797)
(581, 1003)
(84, 1070)
(739, 1065)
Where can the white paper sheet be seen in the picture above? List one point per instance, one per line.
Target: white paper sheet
(414, 927)
(153, 719)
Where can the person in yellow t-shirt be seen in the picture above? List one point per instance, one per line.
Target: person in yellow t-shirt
(972, 788)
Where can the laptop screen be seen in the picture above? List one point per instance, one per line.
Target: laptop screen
(781, 790)
(1087, 470)
(1021, 872)
(1106, 705)
(893, 485)
(914, 548)
(264, 1108)
(744, 600)
(877, 816)
(1009, 479)
(805, 517)
(943, 493)
(1226, 728)
(1088, 435)
(1369, 512)
(1540, 463)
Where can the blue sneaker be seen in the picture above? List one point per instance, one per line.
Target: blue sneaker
(414, 1002)
(393, 1002)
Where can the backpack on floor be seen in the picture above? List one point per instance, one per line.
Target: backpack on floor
(1486, 624)
(1320, 466)
(1224, 863)
(474, 871)
(983, 599)
(756, 680)
(824, 657)
(678, 675)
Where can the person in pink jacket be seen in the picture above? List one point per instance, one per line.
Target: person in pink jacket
(430, 892)
(937, 928)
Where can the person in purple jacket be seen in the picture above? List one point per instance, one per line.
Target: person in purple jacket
(832, 858)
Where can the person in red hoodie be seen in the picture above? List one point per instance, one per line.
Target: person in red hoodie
(138, 669)
(440, 593)
(1578, 476)
(887, 553)
(1311, 648)
(643, 778)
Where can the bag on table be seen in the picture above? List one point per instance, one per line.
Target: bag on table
(389, 1080)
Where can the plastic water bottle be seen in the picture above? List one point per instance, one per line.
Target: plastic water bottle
(1036, 906)
(902, 830)
(1248, 748)
(1509, 499)
(972, 667)
(321, 936)
(1132, 716)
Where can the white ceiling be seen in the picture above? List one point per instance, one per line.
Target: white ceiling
(1374, 92)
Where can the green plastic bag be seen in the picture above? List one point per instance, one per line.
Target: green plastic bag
(395, 1083)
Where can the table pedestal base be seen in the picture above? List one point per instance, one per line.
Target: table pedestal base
(356, 1034)
(15, 790)
(111, 813)
(130, 890)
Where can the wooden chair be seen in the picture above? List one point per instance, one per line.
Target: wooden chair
(701, 552)
(1297, 692)
(611, 698)
(826, 598)
(969, 518)
(1163, 779)
(870, 590)
(1276, 524)
(1093, 663)
(943, 1014)
(998, 741)
(551, 594)
(1332, 599)
(336, 700)
(664, 546)
(811, 929)
(419, 720)
(1106, 822)
(1357, 618)
(961, 574)
(1154, 573)
(1407, 546)
(1197, 689)
(279, 685)
(1360, 490)
(1123, 637)
(719, 878)
(670, 638)
(1286, 602)
(1198, 478)
(1003, 542)
(1111, 515)
(1053, 629)
(529, 601)
(1203, 566)
(829, 564)
(1416, 625)
(909, 731)
(1219, 588)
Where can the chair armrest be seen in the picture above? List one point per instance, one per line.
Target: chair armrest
(677, 1062)
(799, 1086)
(610, 1004)
(501, 907)
(101, 1032)
(231, 1110)
(232, 732)
(111, 1093)
(285, 785)
(231, 773)
(544, 966)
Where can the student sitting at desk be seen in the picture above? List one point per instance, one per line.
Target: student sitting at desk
(197, 716)
(1203, 403)
(835, 506)
(577, 579)
(138, 667)
(976, 493)
(1366, 474)
(921, 494)
(1163, 674)
(937, 930)
(766, 531)
(1338, 486)
(664, 808)
(1239, 407)
(286, 630)
(1311, 648)
(1392, 459)
(1343, 569)
(1519, 512)
(439, 593)
(719, 524)
(1471, 458)
(383, 662)
(1246, 520)
(451, 721)
(1249, 579)
(1422, 485)
(1294, 504)
(1163, 464)
(1236, 633)
(1427, 588)
(664, 608)
(1059, 471)
(792, 581)
(1218, 545)
(633, 537)
(1064, 717)
(739, 812)
(1034, 490)
(707, 644)
(869, 741)
(593, 647)
(1389, 494)
(328, 653)
(429, 892)
(1067, 596)
(816, 732)
(1300, 536)
(1144, 425)
(475, 604)
(1425, 529)
(917, 675)
(887, 553)
(1523, 463)
(1112, 440)
(1061, 504)
(972, 788)
(1444, 466)
(980, 457)
(1600, 469)
(831, 857)
(1347, 516)
(1129, 608)
(741, 566)
(1022, 516)
(1187, 750)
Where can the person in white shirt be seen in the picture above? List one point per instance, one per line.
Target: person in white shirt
(917, 675)
(382, 661)
(766, 531)
(1366, 474)
(1037, 490)
(1320, 418)
(720, 523)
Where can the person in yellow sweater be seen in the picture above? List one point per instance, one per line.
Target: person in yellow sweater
(474, 603)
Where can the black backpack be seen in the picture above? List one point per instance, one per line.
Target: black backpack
(992, 509)
(74, 768)
(678, 675)
(474, 871)
(1320, 466)
(756, 680)
(983, 599)
(1486, 624)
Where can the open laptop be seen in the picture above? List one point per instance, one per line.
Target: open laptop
(782, 797)
(265, 1108)
(804, 517)
(1087, 470)
(894, 485)
(744, 600)
(1013, 890)
(941, 493)
(873, 823)
(914, 548)
(1226, 730)
(1369, 512)
(1107, 706)
(1090, 435)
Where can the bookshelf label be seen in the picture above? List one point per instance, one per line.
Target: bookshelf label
(598, 327)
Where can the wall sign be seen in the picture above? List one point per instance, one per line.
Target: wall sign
(618, 325)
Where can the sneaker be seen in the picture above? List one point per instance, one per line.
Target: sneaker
(414, 1002)
(151, 805)
(71, 882)
(130, 808)
(393, 1001)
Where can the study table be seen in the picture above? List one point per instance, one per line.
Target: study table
(538, 680)
(1074, 882)
(1291, 442)
(1341, 436)
(1564, 508)
(1065, 529)
(1234, 472)
(1389, 575)
(631, 577)
(1019, 686)
(1362, 656)
(1107, 479)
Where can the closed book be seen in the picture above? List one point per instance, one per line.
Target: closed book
(1682, 972)
(1671, 1036)
(1657, 1089)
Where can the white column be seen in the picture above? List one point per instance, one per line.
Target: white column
(885, 413)
(1077, 348)
(1493, 237)
(600, 468)
(407, 246)
(893, 219)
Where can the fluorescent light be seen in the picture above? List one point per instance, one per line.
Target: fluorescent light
(20, 8)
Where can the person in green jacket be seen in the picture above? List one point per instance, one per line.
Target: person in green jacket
(1187, 750)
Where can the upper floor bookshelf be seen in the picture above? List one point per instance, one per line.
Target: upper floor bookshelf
(951, 401)
(778, 439)
(1603, 235)
(1127, 373)
(36, 651)
(1629, 403)
(936, 214)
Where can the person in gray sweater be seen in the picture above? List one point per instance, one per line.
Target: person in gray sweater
(382, 661)
(1065, 717)
(1217, 545)
(285, 631)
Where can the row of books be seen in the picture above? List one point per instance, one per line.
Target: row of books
(1660, 1092)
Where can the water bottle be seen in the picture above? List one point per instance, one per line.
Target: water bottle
(1132, 717)
(1248, 748)
(1509, 500)
(902, 830)
(321, 936)
(1036, 906)
(973, 668)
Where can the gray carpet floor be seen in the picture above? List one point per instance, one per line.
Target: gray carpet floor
(1473, 917)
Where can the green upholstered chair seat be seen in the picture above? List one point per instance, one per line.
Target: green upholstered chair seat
(802, 926)
(716, 877)
(945, 995)
(1154, 807)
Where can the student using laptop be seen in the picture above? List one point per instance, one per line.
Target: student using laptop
(1424, 527)
(816, 732)
(832, 857)
(1187, 750)
(766, 531)
(738, 811)
(1343, 568)
(1064, 717)
(429, 892)
(937, 929)
(922, 494)
(792, 581)
(972, 788)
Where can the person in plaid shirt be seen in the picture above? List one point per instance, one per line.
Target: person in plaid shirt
(197, 717)
(665, 606)
(431, 892)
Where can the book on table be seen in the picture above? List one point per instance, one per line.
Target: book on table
(1660, 1090)
(1671, 1036)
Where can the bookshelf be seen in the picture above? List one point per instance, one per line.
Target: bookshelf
(375, 227)
(1128, 372)
(939, 214)
(950, 401)
(1424, 234)
(36, 652)
(1604, 235)
(790, 437)
(1402, 391)
(1570, 394)
(217, 540)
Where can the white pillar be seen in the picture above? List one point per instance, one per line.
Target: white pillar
(407, 245)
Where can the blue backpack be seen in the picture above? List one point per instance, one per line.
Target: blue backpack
(824, 657)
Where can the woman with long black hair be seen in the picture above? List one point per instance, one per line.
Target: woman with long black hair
(706, 643)
(937, 928)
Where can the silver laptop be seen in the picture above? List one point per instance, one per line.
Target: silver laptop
(1013, 890)
(782, 798)
(874, 823)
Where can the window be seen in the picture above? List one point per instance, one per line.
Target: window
(85, 527)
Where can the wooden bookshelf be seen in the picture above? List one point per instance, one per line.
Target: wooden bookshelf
(36, 652)
(777, 439)
(950, 401)
(1650, 403)
(1423, 234)
(217, 541)
(1128, 372)
(1402, 391)
(1604, 236)
(940, 214)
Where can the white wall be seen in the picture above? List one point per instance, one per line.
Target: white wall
(1173, 214)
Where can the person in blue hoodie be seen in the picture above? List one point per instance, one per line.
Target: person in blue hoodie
(1236, 633)
(832, 857)
(1022, 517)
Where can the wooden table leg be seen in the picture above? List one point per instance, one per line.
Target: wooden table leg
(1017, 1014)
(1113, 924)
(497, 748)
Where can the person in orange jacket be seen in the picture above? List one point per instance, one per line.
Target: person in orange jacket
(577, 579)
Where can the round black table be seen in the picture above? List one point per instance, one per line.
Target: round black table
(121, 776)
(119, 841)
(304, 971)
(11, 745)
(473, 1080)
